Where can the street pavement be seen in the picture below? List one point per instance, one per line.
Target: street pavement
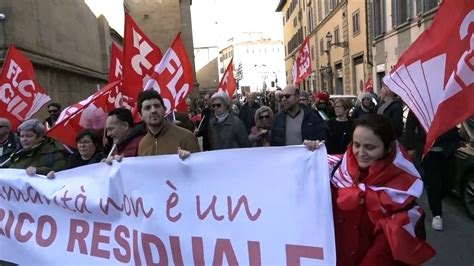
(455, 244)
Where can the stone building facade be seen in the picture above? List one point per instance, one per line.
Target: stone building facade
(162, 20)
(67, 44)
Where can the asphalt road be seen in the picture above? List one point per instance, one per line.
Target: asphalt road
(455, 244)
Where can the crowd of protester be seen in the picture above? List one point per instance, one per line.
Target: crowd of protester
(372, 135)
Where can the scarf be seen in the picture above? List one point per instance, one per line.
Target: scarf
(222, 117)
(389, 190)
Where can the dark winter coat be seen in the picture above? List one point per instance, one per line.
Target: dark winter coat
(359, 111)
(48, 155)
(247, 115)
(75, 160)
(394, 112)
(11, 145)
(228, 134)
(312, 128)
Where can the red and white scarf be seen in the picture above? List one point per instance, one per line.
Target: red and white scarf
(390, 188)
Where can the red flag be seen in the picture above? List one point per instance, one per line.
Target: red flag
(90, 113)
(140, 56)
(116, 96)
(116, 63)
(303, 62)
(173, 77)
(20, 95)
(436, 80)
(227, 82)
(369, 85)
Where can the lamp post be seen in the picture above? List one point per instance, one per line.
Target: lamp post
(329, 66)
(328, 51)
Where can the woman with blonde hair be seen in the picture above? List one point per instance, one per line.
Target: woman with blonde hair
(261, 132)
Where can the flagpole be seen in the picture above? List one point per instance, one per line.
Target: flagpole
(112, 150)
(200, 123)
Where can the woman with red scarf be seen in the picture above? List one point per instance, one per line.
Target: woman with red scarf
(374, 186)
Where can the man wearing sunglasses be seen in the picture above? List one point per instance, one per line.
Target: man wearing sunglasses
(297, 122)
(54, 109)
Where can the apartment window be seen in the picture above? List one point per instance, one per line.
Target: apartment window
(310, 19)
(333, 4)
(355, 22)
(321, 46)
(378, 7)
(400, 12)
(320, 7)
(312, 51)
(336, 35)
(425, 5)
(295, 22)
(327, 7)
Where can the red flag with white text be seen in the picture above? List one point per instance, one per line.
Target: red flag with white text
(140, 57)
(116, 97)
(434, 79)
(369, 85)
(303, 62)
(90, 113)
(21, 96)
(116, 63)
(228, 83)
(173, 77)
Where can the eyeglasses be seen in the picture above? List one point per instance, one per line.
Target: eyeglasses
(264, 116)
(287, 96)
(52, 111)
(216, 105)
(84, 142)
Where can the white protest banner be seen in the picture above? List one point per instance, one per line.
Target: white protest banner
(205, 210)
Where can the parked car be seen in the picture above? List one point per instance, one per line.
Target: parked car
(464, 186)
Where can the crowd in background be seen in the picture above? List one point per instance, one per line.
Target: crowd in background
(375, 126)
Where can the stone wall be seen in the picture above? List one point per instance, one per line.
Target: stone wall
(68, 45)
(162, 20)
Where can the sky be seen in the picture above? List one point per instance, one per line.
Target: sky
(215, 21)
(112, 11)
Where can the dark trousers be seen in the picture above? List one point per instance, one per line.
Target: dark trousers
(438, 177)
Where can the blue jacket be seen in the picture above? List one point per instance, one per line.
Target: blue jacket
(312, 128)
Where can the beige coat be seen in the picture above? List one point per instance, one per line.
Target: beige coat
(168, 140)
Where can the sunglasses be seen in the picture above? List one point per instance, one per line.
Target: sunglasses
(216, 105)
(52, 111)
(264, 116)
(287, 96)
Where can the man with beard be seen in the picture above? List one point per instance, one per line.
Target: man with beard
(54, 109)
(322, 104)
(163, 137)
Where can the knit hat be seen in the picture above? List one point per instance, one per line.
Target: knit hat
(365, 95)
(322, 96)
(223, 96)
